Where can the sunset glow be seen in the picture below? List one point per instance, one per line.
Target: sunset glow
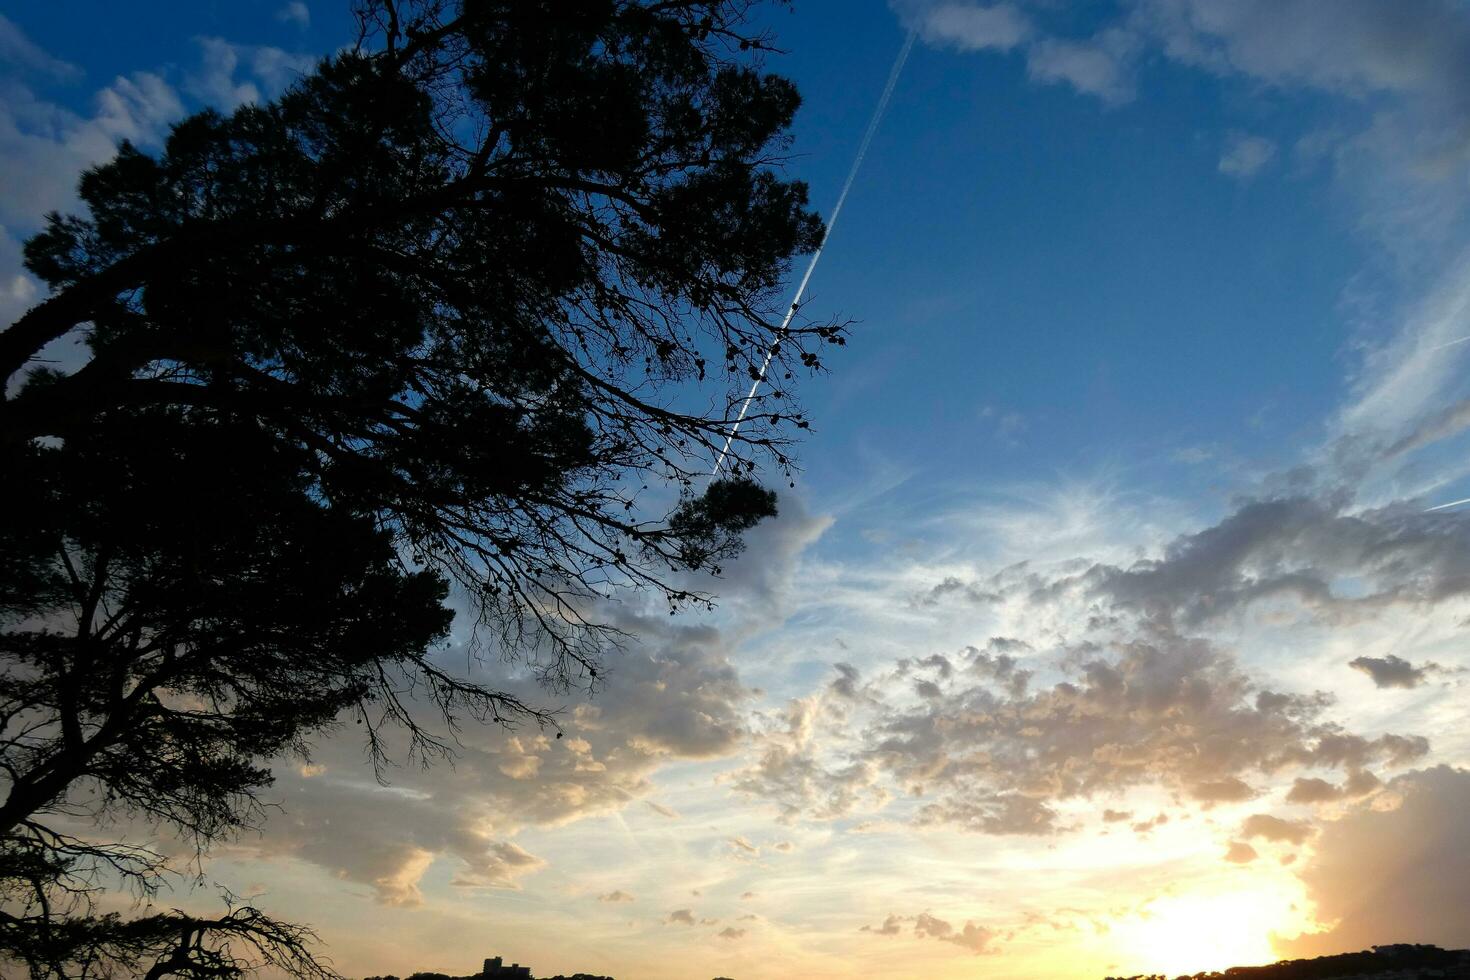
(1189, 933)
(1110, 618)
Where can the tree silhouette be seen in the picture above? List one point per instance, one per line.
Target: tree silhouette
(444, 310)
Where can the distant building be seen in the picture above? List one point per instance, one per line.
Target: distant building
(495, 969)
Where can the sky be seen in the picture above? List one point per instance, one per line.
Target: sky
(1108, 628)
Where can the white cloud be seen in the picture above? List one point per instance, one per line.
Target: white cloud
(1409, 378)
(1354, 47)
(1097, 67)
(970, 26)
(19, 51)
(1401, 70)
(1146, 691)
(45, 147)
(295, 12)
(1245, 155)
(267, 71)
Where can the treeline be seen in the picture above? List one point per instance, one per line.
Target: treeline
(1380, 960)
(445, 976)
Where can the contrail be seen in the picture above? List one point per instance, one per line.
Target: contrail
(1450, 344)
(894, 72)
(1452, 503)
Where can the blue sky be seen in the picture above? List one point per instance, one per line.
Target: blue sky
(1155, 369)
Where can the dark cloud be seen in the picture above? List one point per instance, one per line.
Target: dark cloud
(990, 813)
(390, 852)
(1275, 829)
(616, 896)
(1392, 671)
(1239, 852)
(976, 939)
(953, 589)
(1400, 872)
(1228, 790)
(789, 772)
(672, 694)
(1145, 826)
(731, 933)
(1143, 700)
(1310, 789)
(681, 917)
(1296, 548)
(978, 755)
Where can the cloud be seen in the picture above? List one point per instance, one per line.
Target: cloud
(1169, 711)
(976, 939)
(616, 897)
(1313, 790)
(1353, 47)
(673, 695)
(741, 844)
(1143, 827)
(45, 146)
(1245, 155)
(681, 917)
(1142, 696)
(1240, 852)
(1275, 829)
(18, 291)
(1392, 671)
(19, 51)
(1296, 548)
(731, 933)
(391, 852)
(1395, 76)
(1096, 67)
(969, 26)
(892, 926)
(295, 12)
(953, 587)
(1007, 424)
(1399, 873)
(1228, 790)
(267, 72)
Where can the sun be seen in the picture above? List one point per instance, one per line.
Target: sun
(1194, 932)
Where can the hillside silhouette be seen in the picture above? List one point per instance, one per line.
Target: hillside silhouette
(1400, 961)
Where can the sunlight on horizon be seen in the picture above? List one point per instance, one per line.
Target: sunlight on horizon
(1191, 933)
